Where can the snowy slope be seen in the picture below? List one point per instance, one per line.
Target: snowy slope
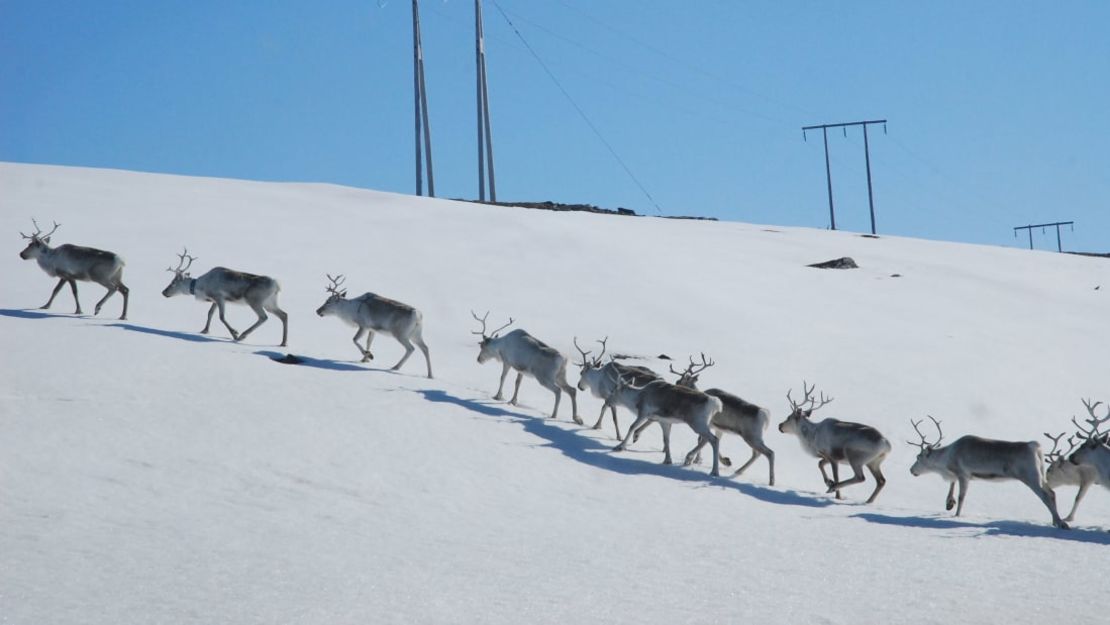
(152, 475)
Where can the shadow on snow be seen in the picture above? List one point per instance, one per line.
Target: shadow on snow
(592, 452)
(991, 528)
(183, 336)
(27, 313)
(317, 363)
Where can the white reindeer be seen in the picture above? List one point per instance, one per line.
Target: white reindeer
(527, 355)
(834, 441)
(601, 380)
(1059, 471)
(738, 416)
(669, 404)
(373, 313)
(972, 457)
(70, 263)
(1094, 453)
(220, 285)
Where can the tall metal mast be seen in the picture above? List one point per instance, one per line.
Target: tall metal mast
(485, 138)
(421, 107)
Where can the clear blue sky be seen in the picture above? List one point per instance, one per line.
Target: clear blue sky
(999, 111)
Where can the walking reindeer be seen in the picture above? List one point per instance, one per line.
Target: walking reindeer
(670, 404)
(1094, 452)
(834, 441)
(69, 263)
(738, 416)
(527, 355)
(220, 285)
(972, 457)
(601, 380)
(373, 313)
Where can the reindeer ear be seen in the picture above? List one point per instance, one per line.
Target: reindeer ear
(46, 240)
(344, 293)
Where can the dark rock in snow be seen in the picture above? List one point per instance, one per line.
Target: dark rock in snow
(289, 359)
(839, 263)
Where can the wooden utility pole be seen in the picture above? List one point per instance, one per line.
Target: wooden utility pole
(866, 154)
(485, 138)
(421, 107)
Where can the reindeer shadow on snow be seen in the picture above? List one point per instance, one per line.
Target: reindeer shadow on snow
(990, 528)
(595, 453)
(30, 313)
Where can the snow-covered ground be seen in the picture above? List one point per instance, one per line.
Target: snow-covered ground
(149, 474)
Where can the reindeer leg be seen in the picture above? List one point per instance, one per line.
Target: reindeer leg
(880, 480)
(573, 392)
(616, 425)
(600, 417)
(640, 420)
(281, 315)
(234, 334)
(111, 291)
(836, 477)
(950, 502)
(262, 317)
(666, 442)
(1048, 497)
(963, 493)
(73, 287)
(58, 287)
(821, 465)
(357, 340)
(207, 324)
(516, 388)
(419, 340)
(755, 456)
(857, 476)
(126, 293)
(409, 349)
(501, 387)
(1083, 486)
(694, 455)
(639, 431)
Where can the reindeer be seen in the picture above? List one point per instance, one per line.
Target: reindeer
(669, 404)
(834, 441)
(600, 379)
(972, 457)
(743, 418)
(526, 354)
(1094, 453)
(220, 285)
(1060, 472)
(70, 263)
(369, 313)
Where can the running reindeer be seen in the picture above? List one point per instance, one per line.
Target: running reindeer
(1094, 453)
(601, 380)
(834, 441)
(527, 355)
(670, 404)
(738, 416)
(69, 263)
(220, 285)
(972, 457)
(1060, 472)
(373, 313)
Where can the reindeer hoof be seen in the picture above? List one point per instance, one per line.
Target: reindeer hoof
(1062, 525)
(579, 421)
(726, 461)
(948, 505)
(715, 473)
(667, 461)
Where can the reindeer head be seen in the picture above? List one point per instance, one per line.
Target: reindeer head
(181, 279)
(37, 242)
(927, 448)
(1058, 471)
(335, 296)
(798, 410)
(1094, 441)
(689, 377)
(588, 365)
(486, 344)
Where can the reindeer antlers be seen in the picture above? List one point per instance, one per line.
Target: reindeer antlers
(482, 320)
(1054, 456)
(182, 267)
(925, 444)
(808, 398)
(38, 235)
(586, 360)
(1095, 421)
(333, 288)
(694, 368)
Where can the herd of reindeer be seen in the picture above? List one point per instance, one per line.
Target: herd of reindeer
(643, 392)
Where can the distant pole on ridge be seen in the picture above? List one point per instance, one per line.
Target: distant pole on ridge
(485, 137)
(1057, 224)
(421, 107)
(867, 159)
